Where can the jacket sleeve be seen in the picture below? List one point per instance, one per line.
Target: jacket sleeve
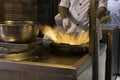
(102, 3)
(65, 3)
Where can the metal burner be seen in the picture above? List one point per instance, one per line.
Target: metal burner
(18, 52)
(17, 47)
(21, 56)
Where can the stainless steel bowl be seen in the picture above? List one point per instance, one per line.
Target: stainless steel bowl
(18, 31)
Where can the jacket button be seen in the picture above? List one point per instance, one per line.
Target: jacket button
(80, 4)
(77, 24)
(78, 14)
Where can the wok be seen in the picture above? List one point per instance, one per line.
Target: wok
(63, 49)
(69, 50)
(18, 31)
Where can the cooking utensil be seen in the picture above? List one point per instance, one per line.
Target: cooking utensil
(68, 50)
(18, 31)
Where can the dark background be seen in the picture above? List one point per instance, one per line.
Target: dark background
(47, 9)
(42, 11)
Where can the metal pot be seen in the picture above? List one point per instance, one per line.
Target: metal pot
(18, 31)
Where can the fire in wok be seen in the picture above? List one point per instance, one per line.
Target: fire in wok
(66, 44)
(63, 37)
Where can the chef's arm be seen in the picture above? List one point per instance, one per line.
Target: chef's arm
(63, 12)
(101, 11)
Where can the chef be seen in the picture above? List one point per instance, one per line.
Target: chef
(114, 9)
(74, 14)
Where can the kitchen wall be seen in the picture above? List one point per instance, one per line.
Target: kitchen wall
(47, 9)
(42, 11)
(19, 9)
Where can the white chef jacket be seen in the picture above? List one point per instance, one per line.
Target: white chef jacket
(114, 8)
(79, 10)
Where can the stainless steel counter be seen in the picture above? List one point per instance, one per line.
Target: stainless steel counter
(50, 68)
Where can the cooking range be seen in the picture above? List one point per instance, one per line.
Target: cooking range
(18, 41)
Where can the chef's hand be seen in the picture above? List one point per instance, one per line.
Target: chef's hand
(66, 23)
(105, 19)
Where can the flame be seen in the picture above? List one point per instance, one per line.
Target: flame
(62, 37)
